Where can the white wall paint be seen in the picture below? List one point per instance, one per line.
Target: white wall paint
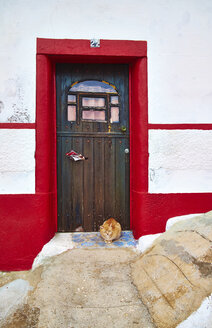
(180, 161)
(178, 33)
(17, 163)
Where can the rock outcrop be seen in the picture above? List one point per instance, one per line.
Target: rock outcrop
(175, 274)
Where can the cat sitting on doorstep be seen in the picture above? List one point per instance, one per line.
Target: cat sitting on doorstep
(110, 230)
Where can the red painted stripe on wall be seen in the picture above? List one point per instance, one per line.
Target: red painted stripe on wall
(187, 126)
(17, 125)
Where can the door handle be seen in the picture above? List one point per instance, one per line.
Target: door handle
(123, 129)
(126, 150)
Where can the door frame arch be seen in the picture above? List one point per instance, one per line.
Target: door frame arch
(52, 51)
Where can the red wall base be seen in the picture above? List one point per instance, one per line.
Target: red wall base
(155, 209)
(26, 225)
(26, 221)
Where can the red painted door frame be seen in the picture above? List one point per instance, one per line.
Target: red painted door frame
(149, 212)
(133, 53)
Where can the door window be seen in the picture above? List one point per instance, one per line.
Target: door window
(71, 113)
(93, 100)
(93, 86)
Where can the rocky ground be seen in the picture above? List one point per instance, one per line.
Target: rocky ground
(118, 287)
(174, 275)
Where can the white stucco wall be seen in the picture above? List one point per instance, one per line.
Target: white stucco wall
(178, 33)
(180, 161)
(17, 163)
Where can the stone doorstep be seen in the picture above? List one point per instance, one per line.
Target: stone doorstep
(63, 241)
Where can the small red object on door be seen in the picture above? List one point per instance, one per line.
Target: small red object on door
(75, 156)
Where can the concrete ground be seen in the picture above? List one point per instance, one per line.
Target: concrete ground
(80, 288)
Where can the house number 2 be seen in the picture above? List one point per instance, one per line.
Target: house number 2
(95, 43)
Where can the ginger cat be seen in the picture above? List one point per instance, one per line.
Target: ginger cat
(110, 230)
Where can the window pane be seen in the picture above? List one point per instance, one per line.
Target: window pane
(71, 113)
(71, 98)
(114, 99)
(93, 86)
(114, 115)
(93, 102)
(94, 115)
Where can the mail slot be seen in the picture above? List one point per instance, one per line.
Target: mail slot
(74, 156)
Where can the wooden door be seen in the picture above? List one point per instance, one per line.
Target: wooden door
(92, 119)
